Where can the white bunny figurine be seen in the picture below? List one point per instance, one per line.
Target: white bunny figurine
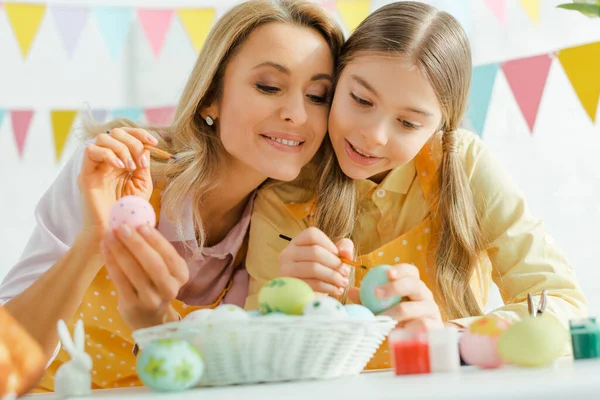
(73, 377)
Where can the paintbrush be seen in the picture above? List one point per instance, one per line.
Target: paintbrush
(342, 259)
(157, 152)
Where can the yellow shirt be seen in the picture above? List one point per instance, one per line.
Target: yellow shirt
(521, 256)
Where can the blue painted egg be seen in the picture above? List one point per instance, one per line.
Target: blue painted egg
(373, 279)
(325, 306)
(170, 365)
(356, 311)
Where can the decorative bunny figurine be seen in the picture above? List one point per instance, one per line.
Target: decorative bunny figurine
(73, 377)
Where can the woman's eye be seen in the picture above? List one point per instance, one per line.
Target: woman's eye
(317, 99)
(267, 89)
(360, 101)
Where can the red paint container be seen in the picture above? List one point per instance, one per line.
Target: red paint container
(410, 352)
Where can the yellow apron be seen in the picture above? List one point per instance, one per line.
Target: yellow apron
(108, 338)
(413, 247)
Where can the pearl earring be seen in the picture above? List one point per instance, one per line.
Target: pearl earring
(209, 120)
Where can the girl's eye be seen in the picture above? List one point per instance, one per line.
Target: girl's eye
(360, 101)
(408, 125)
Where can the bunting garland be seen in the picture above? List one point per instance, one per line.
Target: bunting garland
(70, 22)
(25, 20)
(21, 120)
(498, 8)
(114, 23)
(155, 24)
(581, 64)
(62, 121)
(353, 12)
(526, 77)
(197, 23)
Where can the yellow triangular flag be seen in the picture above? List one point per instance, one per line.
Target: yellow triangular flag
(532, 8)
(353, 11)
(581, 66)
(62, 121)
(197, 23)
(25, 20)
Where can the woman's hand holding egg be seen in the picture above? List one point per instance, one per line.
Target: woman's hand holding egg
(115, 165)
(314, 258)
(416, 310)
(145, 268)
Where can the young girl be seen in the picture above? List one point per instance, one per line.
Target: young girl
(431, 199)
(255, 107)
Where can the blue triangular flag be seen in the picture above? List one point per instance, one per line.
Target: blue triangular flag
(114, 23)
(2, 112)
(461, 11)
(131, 113)
(482, 83)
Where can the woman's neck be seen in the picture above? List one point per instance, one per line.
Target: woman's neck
(223, 207)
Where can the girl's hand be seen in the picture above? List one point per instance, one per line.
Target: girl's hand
(147, 272)
(116, 165)
(418, 309)
(314, 258)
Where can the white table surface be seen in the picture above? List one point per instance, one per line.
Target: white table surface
(565, 380)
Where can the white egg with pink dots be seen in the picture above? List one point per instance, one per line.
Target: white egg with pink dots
(133, 211)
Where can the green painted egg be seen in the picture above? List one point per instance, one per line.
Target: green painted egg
(373, 279)
(285, 295)
(170, 365)
(533, 342)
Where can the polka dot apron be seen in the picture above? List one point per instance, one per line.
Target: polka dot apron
(108, 338)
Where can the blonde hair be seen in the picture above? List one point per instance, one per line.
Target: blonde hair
(196, 144)
(436, 43)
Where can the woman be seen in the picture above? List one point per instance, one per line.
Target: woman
(432, 201)
(255, 107)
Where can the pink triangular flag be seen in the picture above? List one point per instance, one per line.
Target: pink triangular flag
(329, 5)
(527, 78)
(160, 116)
(21, 119)
(155, 24)
(498, 7)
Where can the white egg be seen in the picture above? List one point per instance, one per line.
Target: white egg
(199, 315)
(228, 312)
(277, 315)
(325, 306)
(356, 311)
(254, 313)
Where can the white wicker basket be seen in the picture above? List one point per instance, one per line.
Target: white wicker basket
(272, 349)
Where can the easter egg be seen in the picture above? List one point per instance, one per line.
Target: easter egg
(133, 211)
(170, 365)
(286, 295)
(254, 313)
(325, 306)
(479, 343)
(356, 311)
(277, 315)
(198, 315)
(373, 279)
(533, 342)
(228, 312)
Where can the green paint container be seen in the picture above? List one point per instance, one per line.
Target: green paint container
(585, 337)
